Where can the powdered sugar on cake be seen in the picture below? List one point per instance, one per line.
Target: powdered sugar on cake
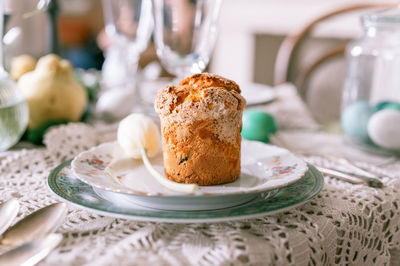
(205, 97)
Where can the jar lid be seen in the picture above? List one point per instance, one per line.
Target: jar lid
(385, 17)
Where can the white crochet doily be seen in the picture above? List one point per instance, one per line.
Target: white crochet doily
(344, 224)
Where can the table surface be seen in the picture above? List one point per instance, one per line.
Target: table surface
(345, 223)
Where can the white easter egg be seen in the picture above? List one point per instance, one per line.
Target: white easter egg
(136, 131)
(384, 128)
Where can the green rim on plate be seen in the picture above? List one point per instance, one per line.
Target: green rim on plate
(71, 190)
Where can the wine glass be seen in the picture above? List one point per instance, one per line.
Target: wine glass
(13, 108)
(129, 25)
(185, 32)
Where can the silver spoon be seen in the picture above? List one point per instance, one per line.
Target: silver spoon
(8, 212)
(35, 225)
(32, 252)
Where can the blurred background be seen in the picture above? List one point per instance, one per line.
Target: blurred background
(79, 23)
(250, 35)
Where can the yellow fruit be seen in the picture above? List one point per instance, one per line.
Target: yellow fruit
(22, 64)
(52, 93)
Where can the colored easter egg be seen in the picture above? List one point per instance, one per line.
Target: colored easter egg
(388, 105)
(355, 118)
(384, 128)
(381, 105)
(258, 125)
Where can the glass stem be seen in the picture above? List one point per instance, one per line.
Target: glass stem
(2, 69)
(133, 64)
(52, 11)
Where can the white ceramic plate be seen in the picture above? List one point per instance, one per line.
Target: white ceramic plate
(68, 188)
(182, 203)
(256, 93)
(264, 167)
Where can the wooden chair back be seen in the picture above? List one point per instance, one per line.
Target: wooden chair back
(286, 56)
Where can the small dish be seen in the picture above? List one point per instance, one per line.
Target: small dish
(63, 183)
(256, 93)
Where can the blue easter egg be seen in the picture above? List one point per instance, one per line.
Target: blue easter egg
(258, 125)
(355, 119)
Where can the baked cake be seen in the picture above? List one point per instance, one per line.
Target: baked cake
(201, 120)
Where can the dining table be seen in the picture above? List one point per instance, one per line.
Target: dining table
(344, 224)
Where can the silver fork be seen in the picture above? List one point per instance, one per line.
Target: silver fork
(349, 177)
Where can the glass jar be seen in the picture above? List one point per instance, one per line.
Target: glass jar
(13, 113)
(371, 95)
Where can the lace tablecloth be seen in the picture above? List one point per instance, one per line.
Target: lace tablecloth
(344, 224)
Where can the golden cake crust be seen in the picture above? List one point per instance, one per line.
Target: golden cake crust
(201, 124)
(207, 80)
